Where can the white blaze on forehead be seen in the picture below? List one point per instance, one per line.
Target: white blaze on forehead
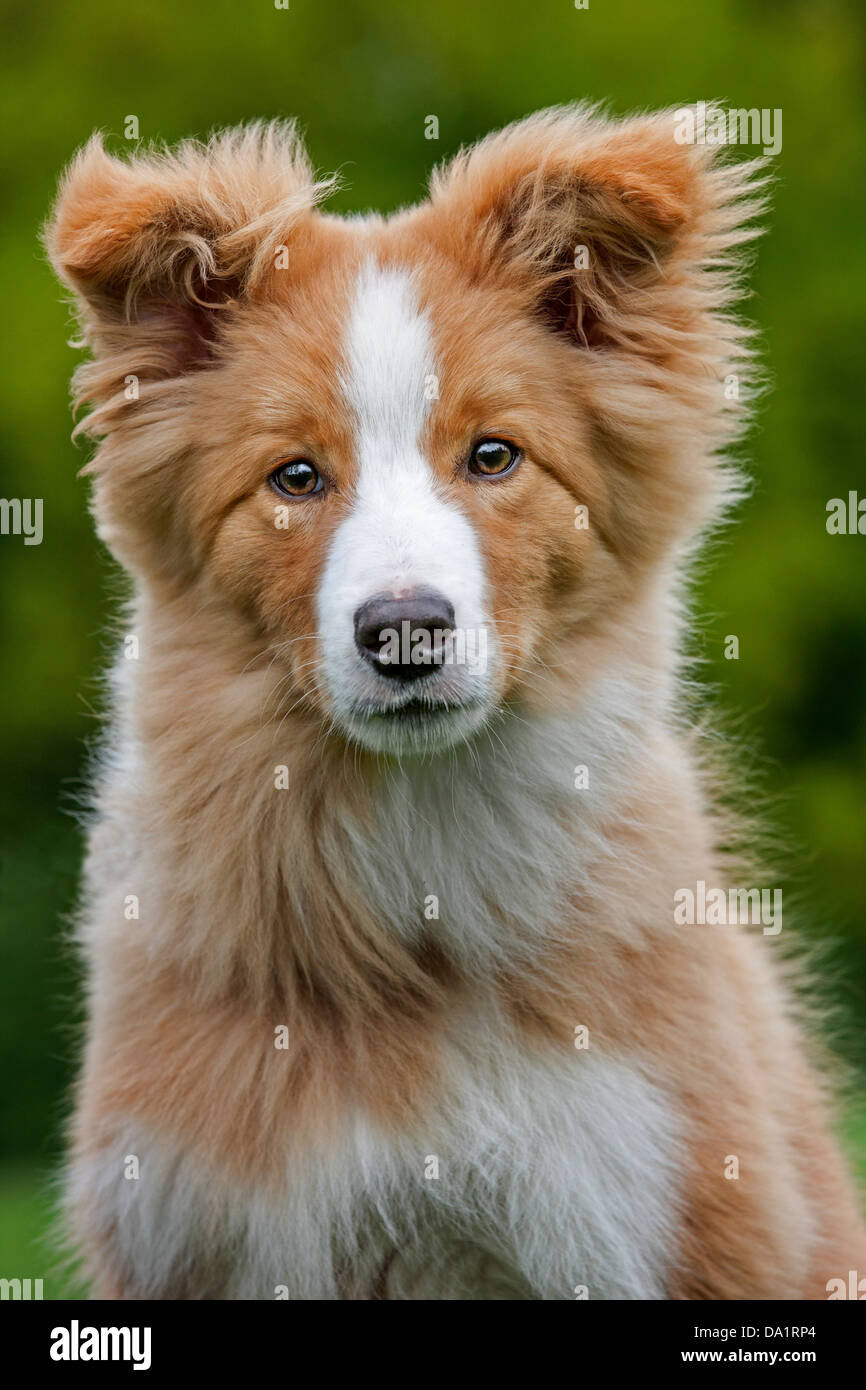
(389, 354)
(402, 531)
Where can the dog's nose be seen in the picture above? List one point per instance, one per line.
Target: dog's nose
(405, 637)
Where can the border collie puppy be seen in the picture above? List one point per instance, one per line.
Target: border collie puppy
(397, 983)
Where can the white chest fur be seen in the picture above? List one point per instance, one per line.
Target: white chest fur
(531, 1177)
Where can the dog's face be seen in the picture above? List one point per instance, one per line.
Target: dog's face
(399, 513)
(425, 462)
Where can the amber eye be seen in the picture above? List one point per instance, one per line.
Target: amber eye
(491, 458)
(297, 478)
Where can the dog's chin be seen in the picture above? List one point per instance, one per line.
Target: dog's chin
(421, 726)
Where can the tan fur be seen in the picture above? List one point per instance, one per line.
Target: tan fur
(251, 912)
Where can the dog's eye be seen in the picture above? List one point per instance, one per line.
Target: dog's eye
(297, 478)
(491, 458)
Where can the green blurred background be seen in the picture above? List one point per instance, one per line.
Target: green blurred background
(362, 78)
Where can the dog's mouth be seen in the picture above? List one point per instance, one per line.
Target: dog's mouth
(416, 724)
(416, 709)
(422, 708)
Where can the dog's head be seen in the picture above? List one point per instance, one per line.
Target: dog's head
(427, 464)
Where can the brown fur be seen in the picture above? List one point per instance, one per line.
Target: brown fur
(252, 915)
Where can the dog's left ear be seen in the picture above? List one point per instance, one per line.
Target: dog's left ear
(594, 217)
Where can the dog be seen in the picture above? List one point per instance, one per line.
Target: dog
(389, 992)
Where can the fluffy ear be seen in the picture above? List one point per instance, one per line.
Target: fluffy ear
(156, 246)
(594, 216)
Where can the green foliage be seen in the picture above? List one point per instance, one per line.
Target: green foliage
(362, 78)
(29, 1248)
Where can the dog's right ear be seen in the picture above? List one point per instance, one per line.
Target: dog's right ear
(157, 246)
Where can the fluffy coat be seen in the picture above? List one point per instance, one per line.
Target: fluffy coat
(415, 1019)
